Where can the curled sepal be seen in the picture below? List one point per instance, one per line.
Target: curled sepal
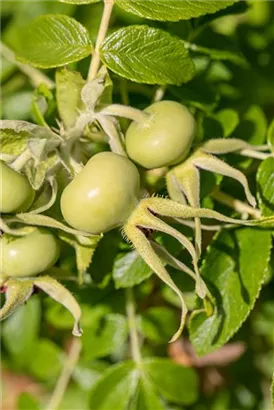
(144, 248)
(210, 163)
(112, 130)
(188, 182)
(44, 207)
(17, 293)
(166, 257)
(59, 293)
(145, 216)
(44, 220)
(169, 208)
(16, 231)
(227, 145)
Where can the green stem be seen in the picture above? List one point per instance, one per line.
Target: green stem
(68, 368)
(134, 339)
(36, 76)
(95, 62)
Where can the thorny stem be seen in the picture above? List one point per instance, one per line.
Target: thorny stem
(36, 76)
(131, 316)
(235, 204)
(21, 160)
(64, 378)
(95, 62)
(126, 111)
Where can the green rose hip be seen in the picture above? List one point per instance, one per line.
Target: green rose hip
(28, 255)
(102, 195)
(164, 138)
(17, 194)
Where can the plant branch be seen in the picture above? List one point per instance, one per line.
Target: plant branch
(235, 204)
(134, 339)
(95, 62)
(64, 378)
(36, 76)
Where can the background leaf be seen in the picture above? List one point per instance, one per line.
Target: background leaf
(158, 323)
(175, 383)
(146, 398)
(20, 331)
(106, 335)
(234, 267)
(272, 390)
(52, 41)
(129, 270)
(265, 181)
(46, 363)
(116, 387)
(229, 120)
(147, 55)
(172, 10)
(27, 402)
(270, 135)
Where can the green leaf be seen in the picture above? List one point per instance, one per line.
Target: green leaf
(265, 181)
(86, 374)
(229, 120)
(74, 398)
(46, 363)
(20, 330)
(68, 93)
(147, 55)
(15, 135)
(79, 1)
(253, 126)
(115, 388)
(129, 270)
(235, 266)
(172, 10)
(145, 397)
(53, 41)
(26, 401)
(270, 135)
(174, 382)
